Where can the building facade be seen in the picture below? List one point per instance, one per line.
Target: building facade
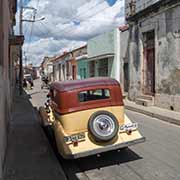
(104, 55)
(61, 68)
(7, 60)
(124, 58)
(47, 67)
(15, 44)
(108, 56)
(70, 65)
(154, 52)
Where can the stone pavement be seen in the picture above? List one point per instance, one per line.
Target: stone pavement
(29, 155)
(153, 111)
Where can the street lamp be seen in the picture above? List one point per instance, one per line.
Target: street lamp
(34, 20)
(21, 33)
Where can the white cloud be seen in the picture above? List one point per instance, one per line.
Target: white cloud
(68, 24)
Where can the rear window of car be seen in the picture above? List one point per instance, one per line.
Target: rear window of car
(91, 95)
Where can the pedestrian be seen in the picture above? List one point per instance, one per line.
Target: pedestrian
(24, 83)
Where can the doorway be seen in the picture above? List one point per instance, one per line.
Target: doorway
(126, 76)
(92, 69)
(74, 72)
(149, 63)
(103, 67)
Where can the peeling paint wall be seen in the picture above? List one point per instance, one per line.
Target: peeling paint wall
(140, 5)
(124, 60)
(134, 62)
(5, 99)
(166, 24)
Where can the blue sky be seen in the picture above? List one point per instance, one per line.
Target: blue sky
(111, 2)
(68, 24)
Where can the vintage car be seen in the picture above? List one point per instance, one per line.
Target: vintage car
(87, 117)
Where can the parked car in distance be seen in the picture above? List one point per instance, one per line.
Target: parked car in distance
(87, 117)
(29, 79)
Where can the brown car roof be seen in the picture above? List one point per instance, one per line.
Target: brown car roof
(69, 85)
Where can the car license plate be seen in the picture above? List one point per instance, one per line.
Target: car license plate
(74, 138)
(128, 127)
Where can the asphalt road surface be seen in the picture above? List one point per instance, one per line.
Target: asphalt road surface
(156, 159)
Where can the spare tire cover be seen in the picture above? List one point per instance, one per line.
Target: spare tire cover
(103, 126)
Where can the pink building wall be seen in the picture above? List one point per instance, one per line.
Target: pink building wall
(5, 101)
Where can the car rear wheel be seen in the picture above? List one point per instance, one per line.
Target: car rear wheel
(103, 126)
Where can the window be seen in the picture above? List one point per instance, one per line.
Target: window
(83, 73)
(91, 95)
(92, 68)
(103, 67)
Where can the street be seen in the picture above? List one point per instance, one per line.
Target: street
(156, 159)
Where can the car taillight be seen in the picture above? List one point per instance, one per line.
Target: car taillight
(75, 143)
(128, 128)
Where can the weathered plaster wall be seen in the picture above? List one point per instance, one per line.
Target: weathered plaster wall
(167, 57)
(116, 63)
(14, 57)
(168, 85)
(140, 5)
(124, 55)
(4, 78)
(134, 62)
(102, 44)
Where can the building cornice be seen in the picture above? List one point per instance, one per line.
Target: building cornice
(154, 8)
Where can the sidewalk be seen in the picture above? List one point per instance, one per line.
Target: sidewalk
(29, 155)
(162, 114)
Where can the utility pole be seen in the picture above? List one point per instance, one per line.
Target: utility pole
(21, 20)
(20, 56)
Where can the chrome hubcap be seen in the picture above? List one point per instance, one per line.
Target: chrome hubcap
(103, 125)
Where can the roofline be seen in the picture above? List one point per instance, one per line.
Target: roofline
(79, 48)
(101, 56)
(154, 7)
(69, 52)
(60, 56)
(124, 27)
(86, 83)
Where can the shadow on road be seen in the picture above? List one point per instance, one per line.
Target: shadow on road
(108, 159)
(78, 167)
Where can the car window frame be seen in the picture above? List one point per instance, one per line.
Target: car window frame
(91, 101)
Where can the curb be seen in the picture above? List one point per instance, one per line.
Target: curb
(154, 115)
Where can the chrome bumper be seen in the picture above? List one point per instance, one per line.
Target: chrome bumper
(104, 149)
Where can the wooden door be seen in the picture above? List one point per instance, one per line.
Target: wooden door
(74, 72)
(149, 64)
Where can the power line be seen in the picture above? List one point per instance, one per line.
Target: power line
(30, 37)
(84, 12)
(49, 31)
(31, 30)
(37, 5)
(63, 30)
